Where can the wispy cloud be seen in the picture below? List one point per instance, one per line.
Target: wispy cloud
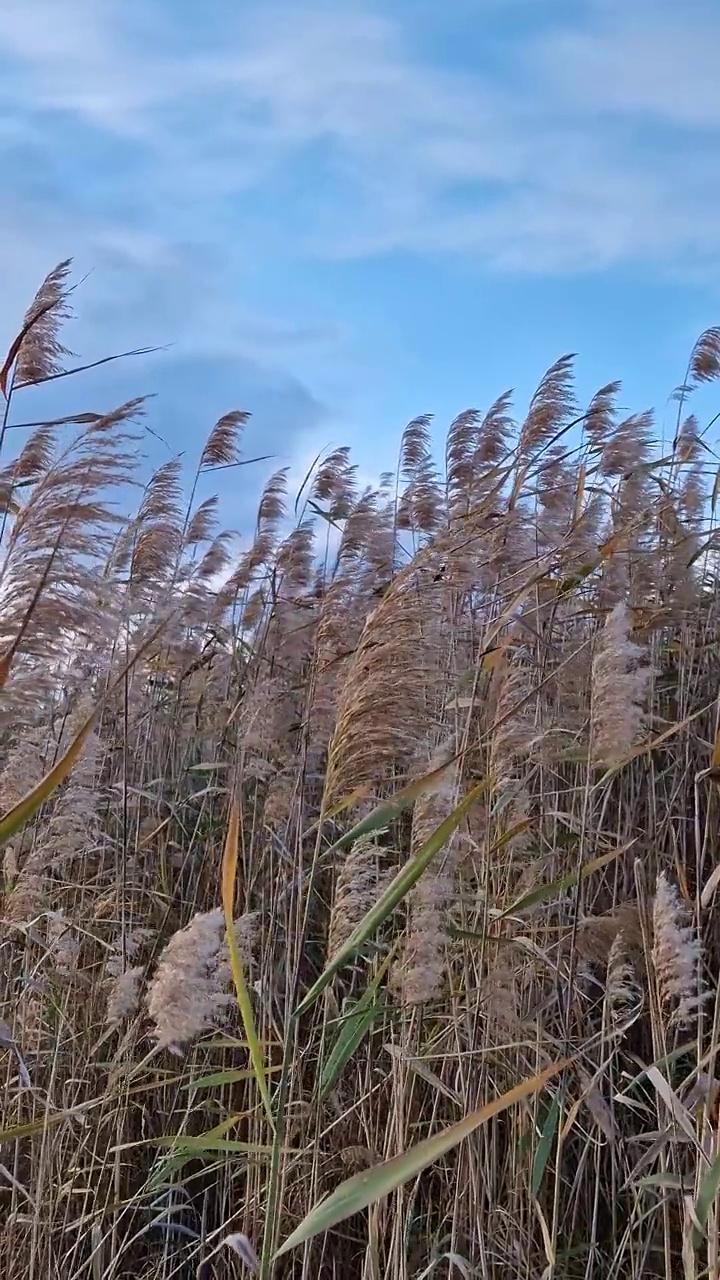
(542, 157)
(649, 62)
(207, 160)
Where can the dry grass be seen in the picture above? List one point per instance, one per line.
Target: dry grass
(542, 618)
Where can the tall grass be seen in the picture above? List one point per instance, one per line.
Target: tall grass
(358, 884)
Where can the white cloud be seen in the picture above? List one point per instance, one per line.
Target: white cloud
(591, 142)
(193, 148)
(644, 60)
(61, 57)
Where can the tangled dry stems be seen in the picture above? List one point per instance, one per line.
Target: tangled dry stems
(544, 616)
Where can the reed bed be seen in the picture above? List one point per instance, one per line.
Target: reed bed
(358, 896)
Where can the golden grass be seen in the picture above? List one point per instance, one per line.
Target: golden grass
(358, 849)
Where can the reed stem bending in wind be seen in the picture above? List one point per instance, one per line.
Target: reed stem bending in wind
(526, 617)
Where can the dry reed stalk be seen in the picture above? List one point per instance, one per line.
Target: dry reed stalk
(184, 997)
(358, 887)
(419, 973)
(551, 407)
(275, 656)
(123, 999)
(222, 448)
(63, 943)
(623, 990)
(500, 1000)
(421, 505)
(23, 766)
(514, 734)
(188, 992)
(619, 686)
(41, 353)
(387, 694)
(676, 956)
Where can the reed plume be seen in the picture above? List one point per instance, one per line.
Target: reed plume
(387, 691)
(41, 354)
(471, 600)
(420, 972)
(619, 686)
(222, 448)
(184, 996)
(676, 956)
(359, 885)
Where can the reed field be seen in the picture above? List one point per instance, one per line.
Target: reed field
(358, 901)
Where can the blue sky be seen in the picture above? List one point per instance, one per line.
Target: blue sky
(343, 213)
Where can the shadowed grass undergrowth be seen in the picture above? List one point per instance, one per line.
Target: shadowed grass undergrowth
(357, 911)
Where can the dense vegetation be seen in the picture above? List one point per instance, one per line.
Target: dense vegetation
(318, 847)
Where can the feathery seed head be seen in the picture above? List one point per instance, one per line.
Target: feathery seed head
(419, 974)
(222, 448)
(123, 999)
(705, 356)
(619, 684)
(184, 997)
(624, 993)
(359, 885)
(41, 353)
(188, 993)
(676, 956)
